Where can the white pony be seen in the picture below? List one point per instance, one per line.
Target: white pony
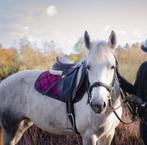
(21, 105)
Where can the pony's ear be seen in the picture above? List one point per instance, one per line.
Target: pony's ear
(87, 40)
(112, 39)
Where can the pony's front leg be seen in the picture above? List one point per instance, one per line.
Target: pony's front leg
(90, 140)
(106, 139)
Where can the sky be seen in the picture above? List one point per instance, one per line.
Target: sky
(65, 21)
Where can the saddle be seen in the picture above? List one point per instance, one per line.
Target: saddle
(69, 87)
(64, 64)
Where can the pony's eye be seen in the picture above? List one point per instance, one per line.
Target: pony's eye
(112, 67)
(88, 67)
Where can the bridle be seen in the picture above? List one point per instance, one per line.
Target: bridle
(101, 84)
(110, 89)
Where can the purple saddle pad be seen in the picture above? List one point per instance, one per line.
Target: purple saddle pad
(47, 84)
(45, 81)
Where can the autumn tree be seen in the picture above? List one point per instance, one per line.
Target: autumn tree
(9, 62)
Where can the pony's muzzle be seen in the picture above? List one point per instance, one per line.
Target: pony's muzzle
(98, 108)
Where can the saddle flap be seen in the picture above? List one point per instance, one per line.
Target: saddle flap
(74, 84)
(67, 85)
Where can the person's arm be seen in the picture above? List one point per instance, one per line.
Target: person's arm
(127, 86)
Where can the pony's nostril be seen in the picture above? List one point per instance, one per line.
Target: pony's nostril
(104, 105)
(98, 108)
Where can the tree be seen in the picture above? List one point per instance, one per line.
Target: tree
(0, 45)
(24, 43)
(79, 49)
(9, 62)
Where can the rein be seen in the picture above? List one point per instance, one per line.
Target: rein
(114, 111)
(110, 89)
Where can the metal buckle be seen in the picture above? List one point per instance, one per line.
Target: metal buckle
(109, 97)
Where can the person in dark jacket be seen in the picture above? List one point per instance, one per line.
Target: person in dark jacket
(140, 90)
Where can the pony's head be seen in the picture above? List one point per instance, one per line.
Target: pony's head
(101, 64)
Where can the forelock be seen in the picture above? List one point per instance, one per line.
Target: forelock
(99, 47)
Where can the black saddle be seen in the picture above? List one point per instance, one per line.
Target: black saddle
(67, 86)
(64, 64)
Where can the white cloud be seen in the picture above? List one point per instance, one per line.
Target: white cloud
(51, 10)
(26, 27)
(123, 32)
(107, 28)
(137, 34)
